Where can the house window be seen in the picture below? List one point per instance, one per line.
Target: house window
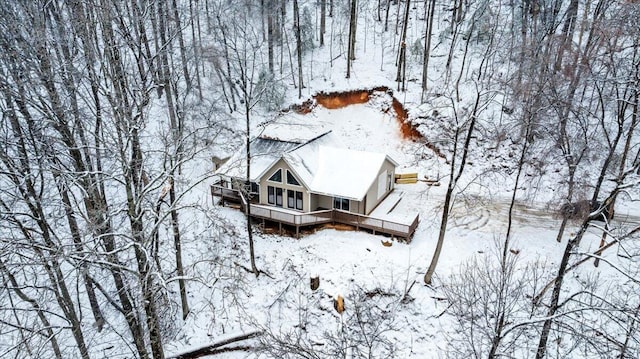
(271, 197)
(291, 179)
(294, 199)
(341, 203)
(274, 195)
(278, 197)
(299, 200)
(276, 176)
(291, 199)
(255, 188)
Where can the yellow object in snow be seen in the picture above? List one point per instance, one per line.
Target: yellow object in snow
(406, 175)
(406, 180)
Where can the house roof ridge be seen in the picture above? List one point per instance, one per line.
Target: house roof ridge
(308, 142)
(266, 138)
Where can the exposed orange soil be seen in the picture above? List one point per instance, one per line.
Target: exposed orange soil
(336, 100)
(406, 128)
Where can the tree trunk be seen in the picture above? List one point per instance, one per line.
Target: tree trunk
(555, 296)
(252, 254)
(270, 39)
(196, 44)
(429, 12)
(402, 61)
(77, 240)
(228, 75)
(443, 230)
(97, 205)
(352, 37)
(453, 180)
(323, 16)
(165, 67)
(178, 248)
(134, 185)
(296, 24)
(567, 32)
(386, 16)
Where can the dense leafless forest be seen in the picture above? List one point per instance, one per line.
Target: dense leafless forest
(108, 105)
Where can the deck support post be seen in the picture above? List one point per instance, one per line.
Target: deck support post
(280, 228)
(297, 232)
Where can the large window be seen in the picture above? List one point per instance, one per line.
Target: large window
(276, 176)
(294, 199)
(271, 195)
(291, 200)
(299, 200)
(274, 195)
(341, 203)
(291, 179)
(278, 197)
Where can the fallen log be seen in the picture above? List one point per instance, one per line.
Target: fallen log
(217, 347)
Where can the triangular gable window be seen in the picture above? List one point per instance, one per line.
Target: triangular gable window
(277, 176)
(292, 180)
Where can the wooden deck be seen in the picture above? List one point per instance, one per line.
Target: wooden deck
(300, 219)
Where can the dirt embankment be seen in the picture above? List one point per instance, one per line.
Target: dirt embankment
(336, 100)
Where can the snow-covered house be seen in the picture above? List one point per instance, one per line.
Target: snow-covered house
(310, 176)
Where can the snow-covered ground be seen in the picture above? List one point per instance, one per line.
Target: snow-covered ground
(479, 69)
(349, 262)
(280, 302)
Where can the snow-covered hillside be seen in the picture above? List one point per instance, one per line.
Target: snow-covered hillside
(519, 118)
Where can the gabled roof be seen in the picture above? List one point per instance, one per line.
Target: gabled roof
(327, 168)
(322, 164)
(264, 152)
(346, 173)
(303, 159)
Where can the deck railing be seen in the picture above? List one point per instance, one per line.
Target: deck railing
(376, 224)
(294, 219)
(220, 191)
(317, 217)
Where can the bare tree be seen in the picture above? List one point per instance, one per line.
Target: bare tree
(489, 299)
(243, 49)
(463, 126)
(620, 133)
(365, 328)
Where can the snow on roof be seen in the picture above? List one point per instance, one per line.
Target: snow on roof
(345, 173)
(264, 152)
(303, 160)
(301, 131)
(321, 163)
